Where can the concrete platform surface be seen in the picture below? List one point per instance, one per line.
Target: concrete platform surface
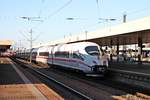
(27, 92)
(15, 85)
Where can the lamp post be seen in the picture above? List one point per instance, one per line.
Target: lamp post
(31, 41)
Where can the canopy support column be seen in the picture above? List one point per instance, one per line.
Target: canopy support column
(117, 49)
(140, 42)
(111, 50)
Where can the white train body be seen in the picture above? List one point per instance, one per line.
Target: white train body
(42, 55)
(84, 56)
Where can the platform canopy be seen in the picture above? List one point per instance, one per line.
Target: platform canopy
(5, 44)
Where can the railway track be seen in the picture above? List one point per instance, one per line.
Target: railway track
(115, 88)
(85, 97)
(132, 92)
(78, 83)
(72, 93)
(101, 84)
(139, 81)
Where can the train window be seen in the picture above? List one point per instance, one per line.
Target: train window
(92, 50)
(34, 53)
(43, 53)
(62, 54)
(57, 54)
(77, 56)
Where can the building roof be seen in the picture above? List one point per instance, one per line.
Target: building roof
(6, 42)
(128, 27)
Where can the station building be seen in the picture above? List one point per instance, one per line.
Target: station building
(5, 45)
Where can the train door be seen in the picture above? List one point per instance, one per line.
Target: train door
(75, 60)
(58, 55)
(50, 56)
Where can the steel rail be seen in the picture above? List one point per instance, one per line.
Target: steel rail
(59, 83)
(65, 86)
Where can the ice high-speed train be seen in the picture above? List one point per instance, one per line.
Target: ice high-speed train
(82, 56)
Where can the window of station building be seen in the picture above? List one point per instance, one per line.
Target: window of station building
(43, 53)
(62, 54)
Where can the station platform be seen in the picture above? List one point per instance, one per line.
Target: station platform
(14, 85)
(7, 74)
(143, 67)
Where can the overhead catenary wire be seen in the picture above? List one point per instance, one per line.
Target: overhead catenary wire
(26, 37)
(39, 18)
(65, 5)
(59, 9)
(133, 12)
(139, 10)
(54, 13)
(40, 11)
(98, 8)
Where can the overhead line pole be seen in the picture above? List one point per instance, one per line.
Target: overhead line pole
(31, 45)
(31, 39)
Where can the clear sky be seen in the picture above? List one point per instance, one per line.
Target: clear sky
(48, 17)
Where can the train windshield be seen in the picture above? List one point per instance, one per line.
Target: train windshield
(92, 50)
